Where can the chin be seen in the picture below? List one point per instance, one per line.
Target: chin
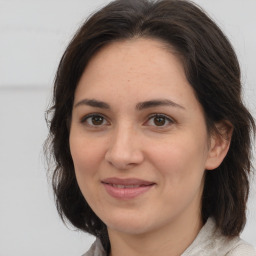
(130, 229)
(129, 224)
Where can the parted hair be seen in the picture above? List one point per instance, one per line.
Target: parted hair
(211, 68)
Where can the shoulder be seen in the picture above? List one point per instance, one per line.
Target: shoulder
(242, 249)
(211, 242)
(96, 249)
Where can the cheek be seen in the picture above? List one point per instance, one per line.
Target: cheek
(181, 161)
(86, 158)
(85, 152)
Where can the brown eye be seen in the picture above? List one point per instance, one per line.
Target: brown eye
(94, 120)
(97, 120)
(159, 121)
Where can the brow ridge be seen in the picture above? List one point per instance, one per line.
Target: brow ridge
(157, 103)
(93, 103)
(140, 106)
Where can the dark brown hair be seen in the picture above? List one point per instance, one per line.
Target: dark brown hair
(211, 68)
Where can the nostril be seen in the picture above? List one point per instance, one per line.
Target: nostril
(123, 159)
(123, 150)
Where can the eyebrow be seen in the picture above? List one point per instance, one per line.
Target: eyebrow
(139, 106)
(157, 103)
(93, 103)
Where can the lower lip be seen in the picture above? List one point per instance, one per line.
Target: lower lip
(126, 193)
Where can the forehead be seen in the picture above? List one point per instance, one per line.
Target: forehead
(139, 55)
(137, 69)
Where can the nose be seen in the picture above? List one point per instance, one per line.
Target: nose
(124, 149)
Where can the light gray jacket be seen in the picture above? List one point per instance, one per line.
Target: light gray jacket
(209, 242)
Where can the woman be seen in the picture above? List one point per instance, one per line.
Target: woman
(149, 134)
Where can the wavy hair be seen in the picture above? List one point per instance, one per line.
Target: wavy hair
(212, 69)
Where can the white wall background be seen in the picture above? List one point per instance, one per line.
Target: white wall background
(33, 35)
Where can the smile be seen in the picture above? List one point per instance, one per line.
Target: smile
(124, 186)
(125, 189)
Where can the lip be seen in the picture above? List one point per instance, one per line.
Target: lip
(126, 188)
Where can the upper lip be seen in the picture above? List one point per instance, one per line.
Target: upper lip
(129, 181)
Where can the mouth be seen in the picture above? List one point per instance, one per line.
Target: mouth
(126, 188)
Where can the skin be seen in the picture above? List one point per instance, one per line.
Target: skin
(123, 141)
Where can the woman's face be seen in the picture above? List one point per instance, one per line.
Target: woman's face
(138, 138)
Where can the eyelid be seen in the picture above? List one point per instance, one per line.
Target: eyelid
(86, 117)
(168, 118)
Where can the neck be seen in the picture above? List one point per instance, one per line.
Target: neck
(172, 240)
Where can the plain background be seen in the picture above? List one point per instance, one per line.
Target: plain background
(33, 36)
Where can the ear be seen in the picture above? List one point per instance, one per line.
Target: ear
(219, 144)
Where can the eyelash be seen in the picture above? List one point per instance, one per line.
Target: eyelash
(166, 119)
(157, 115)
(87, 117)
